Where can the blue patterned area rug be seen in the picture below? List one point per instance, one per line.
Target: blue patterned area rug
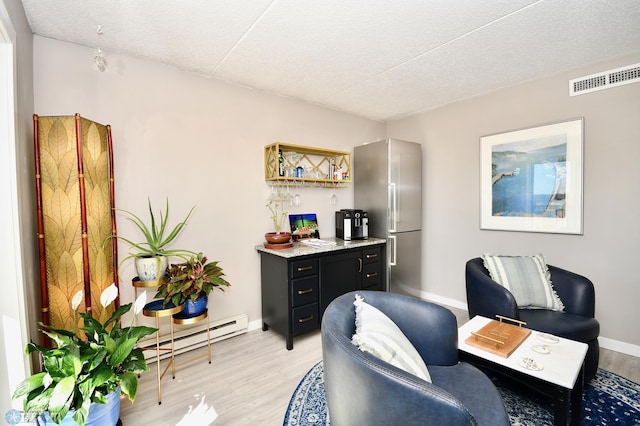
(608, 399)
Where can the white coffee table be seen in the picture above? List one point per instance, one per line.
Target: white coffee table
(561, 376)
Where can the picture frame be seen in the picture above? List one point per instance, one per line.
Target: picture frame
(304, 226)
(531, 179)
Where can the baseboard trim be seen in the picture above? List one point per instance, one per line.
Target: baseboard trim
(618, 346)
(606, 343)
(431, 297)
(254, 325)
(444, 301)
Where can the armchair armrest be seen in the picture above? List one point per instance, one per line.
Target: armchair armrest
(362, 388)
(486, 297)
(575, 291)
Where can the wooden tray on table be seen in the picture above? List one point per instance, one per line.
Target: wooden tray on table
(498, 337)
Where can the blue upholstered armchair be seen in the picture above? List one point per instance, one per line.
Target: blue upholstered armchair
(364, 390)
(488, 298)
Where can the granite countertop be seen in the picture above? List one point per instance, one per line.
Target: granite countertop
(302, 249)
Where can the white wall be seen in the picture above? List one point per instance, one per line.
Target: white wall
(609, 250)
(17, 228)
(196, 141)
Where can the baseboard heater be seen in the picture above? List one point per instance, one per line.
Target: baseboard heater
(187, 338)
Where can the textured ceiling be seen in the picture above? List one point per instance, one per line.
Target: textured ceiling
(377, 59)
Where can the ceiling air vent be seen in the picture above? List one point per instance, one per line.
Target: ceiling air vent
(605, 80)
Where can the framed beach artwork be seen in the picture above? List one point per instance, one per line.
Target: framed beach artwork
(531, 179)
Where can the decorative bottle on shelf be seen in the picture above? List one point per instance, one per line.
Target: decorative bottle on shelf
(337, 174)
(280, 163)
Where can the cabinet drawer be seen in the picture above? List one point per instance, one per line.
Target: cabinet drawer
(371, 275)
(304, 268)
(371, 255)
(304, 290)
(305, 318)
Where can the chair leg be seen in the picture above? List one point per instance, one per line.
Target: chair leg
(591, 360)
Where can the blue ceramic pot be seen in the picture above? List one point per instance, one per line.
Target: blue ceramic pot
(193, 309)
(99, 414)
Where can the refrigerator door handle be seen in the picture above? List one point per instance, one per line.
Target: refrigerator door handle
(394, 207)
(392, 247)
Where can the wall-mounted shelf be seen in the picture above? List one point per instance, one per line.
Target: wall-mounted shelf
(322, 167)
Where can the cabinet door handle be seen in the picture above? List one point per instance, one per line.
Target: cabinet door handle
(359, 264)
(372, 256)
(305, 268)
(375, 274)
(307, 291)
(307, 319)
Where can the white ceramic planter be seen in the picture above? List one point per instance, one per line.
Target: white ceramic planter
(150, 268)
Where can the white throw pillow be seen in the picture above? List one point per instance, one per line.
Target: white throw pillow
(527, 278)
(377, 334)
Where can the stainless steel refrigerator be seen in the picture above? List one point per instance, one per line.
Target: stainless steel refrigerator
(388, 185)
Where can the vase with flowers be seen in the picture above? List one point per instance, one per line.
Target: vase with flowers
(87, 369)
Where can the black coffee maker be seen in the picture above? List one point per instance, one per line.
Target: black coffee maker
(352, 224)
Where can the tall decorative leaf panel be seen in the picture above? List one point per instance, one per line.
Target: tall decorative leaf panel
(75, 207)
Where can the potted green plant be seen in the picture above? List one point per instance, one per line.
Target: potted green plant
(278, 215)
(190, 283)
(86, 368)
(151, 255)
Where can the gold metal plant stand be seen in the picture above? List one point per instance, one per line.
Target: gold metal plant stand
(156, 310)
(182, 320)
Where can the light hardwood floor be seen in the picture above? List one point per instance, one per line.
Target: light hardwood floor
(251, 380)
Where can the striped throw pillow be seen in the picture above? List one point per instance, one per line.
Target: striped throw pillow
(527, 278)
(377, 334)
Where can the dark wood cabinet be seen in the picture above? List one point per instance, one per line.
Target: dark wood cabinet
(298, 287)
(372, 269)
(339, 274)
